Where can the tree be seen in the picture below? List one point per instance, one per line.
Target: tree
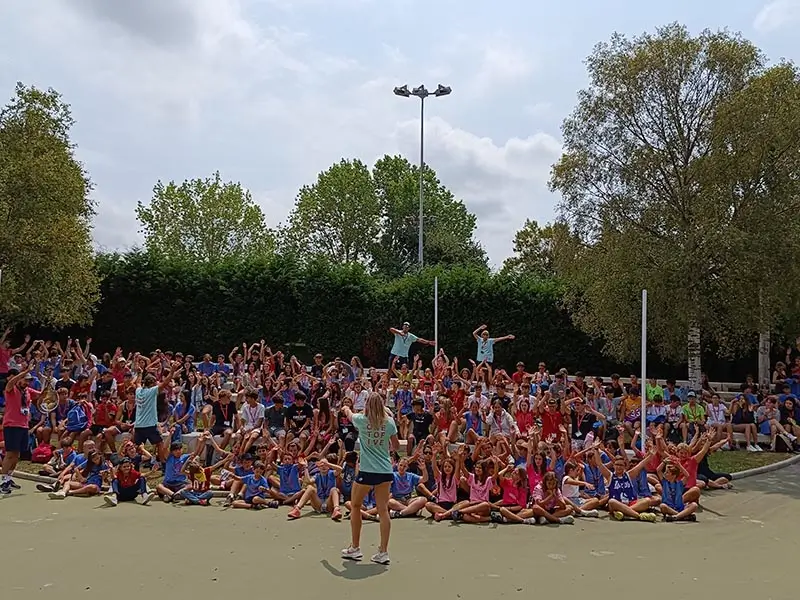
(338, 217)
(448, 226)
(756, 161)
(203, 220)
(46, 256)
(535, 249)
(646, 190)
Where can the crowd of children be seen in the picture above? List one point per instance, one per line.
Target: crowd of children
(480, 444)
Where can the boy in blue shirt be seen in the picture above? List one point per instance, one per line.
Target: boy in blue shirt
(175, 479)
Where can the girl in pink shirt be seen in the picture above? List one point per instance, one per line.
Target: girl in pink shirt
(548, 504)
(445, 473)
(480, 483)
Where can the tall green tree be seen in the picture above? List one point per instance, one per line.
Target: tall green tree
(449, 228)
(46, 255)
(203, 220)
(756, 161)
(535, 249)
(338, 217)
(644, 190)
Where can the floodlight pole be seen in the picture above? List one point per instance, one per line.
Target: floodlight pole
(421, 92)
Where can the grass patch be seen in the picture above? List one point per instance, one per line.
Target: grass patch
(733, 462)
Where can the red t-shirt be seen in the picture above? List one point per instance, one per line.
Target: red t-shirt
(690, 464)
(14, 417)
(129, 480)
(550, 423)
(5, 356)
(457, 397)
(517, 376)
(106, 414)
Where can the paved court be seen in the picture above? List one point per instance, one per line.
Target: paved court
(745, 545)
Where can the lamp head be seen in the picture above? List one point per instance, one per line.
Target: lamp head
(442, 90)
(402, 91)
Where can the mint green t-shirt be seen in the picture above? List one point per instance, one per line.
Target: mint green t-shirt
(374, 444)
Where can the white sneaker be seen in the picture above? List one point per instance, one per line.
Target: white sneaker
(530, 521)
(568, 520)
(590, 513)
(751, 448)
(351, 553)
(148, 498)
(541, 520)
(791, 437)
(381, 558)
(110, 500)
(57, 495)
(727, 446)
(758, 448)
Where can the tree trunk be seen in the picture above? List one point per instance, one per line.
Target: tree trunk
(764, 347)
(693, 357)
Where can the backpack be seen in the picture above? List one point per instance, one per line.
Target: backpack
(77, 419)
(42, 453)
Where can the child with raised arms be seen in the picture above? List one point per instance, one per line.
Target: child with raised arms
(623, 501)
(324, 494)
(255, 488)
(672, 474)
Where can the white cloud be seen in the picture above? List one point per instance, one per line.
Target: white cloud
(776, 15)
(176, 90)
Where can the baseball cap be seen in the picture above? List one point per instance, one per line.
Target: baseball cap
(691, 395)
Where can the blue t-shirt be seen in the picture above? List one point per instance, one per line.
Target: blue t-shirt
(672, 494)
(402, 344)
(146, 408)
(206, 368)
(594, 475)
(404, 485)
(622, 489)
(180, 411)
(252, 485)
(173, 468)
(290, 479)
(325, 483)
(375, 444)
(96, 475)
(485, 350)
(348, 476)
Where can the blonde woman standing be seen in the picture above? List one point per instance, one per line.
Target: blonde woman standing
(377, 434)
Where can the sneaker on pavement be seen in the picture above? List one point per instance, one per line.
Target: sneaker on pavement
(5, 488)
(617, 516)
(649, 517)
(692, 518)
(590, 513)
(45, 487)
(148, 498)
(394, 514)
(351, 553)
(568, 520)
(530, 521)
(15, 486)
(294, 513)
(669, 518)
(60, 495)
(110, 500)
(381, 558)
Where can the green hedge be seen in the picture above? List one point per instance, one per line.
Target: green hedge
(339, 310)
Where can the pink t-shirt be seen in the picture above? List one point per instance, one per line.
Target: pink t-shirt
(534, 478)
(513, 495)
(479, 492)
(539, 494)
(445, 493)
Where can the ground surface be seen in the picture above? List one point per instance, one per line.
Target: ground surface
(744, 546)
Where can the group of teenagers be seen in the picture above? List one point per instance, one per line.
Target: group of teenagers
(479, 444)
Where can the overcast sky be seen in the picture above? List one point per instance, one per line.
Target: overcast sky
(271, 92)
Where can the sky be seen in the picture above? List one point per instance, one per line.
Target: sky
(272, 92)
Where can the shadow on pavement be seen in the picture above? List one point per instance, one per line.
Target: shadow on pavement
(354, 570)
(784, 482)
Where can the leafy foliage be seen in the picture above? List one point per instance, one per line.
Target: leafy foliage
(338, 217)
(535, 248)
(663, 186)
(203, 220)
(48, 274)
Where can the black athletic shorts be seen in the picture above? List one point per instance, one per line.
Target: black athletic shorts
(373, 479)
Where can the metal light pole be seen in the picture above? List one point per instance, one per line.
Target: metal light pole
(421, 92)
